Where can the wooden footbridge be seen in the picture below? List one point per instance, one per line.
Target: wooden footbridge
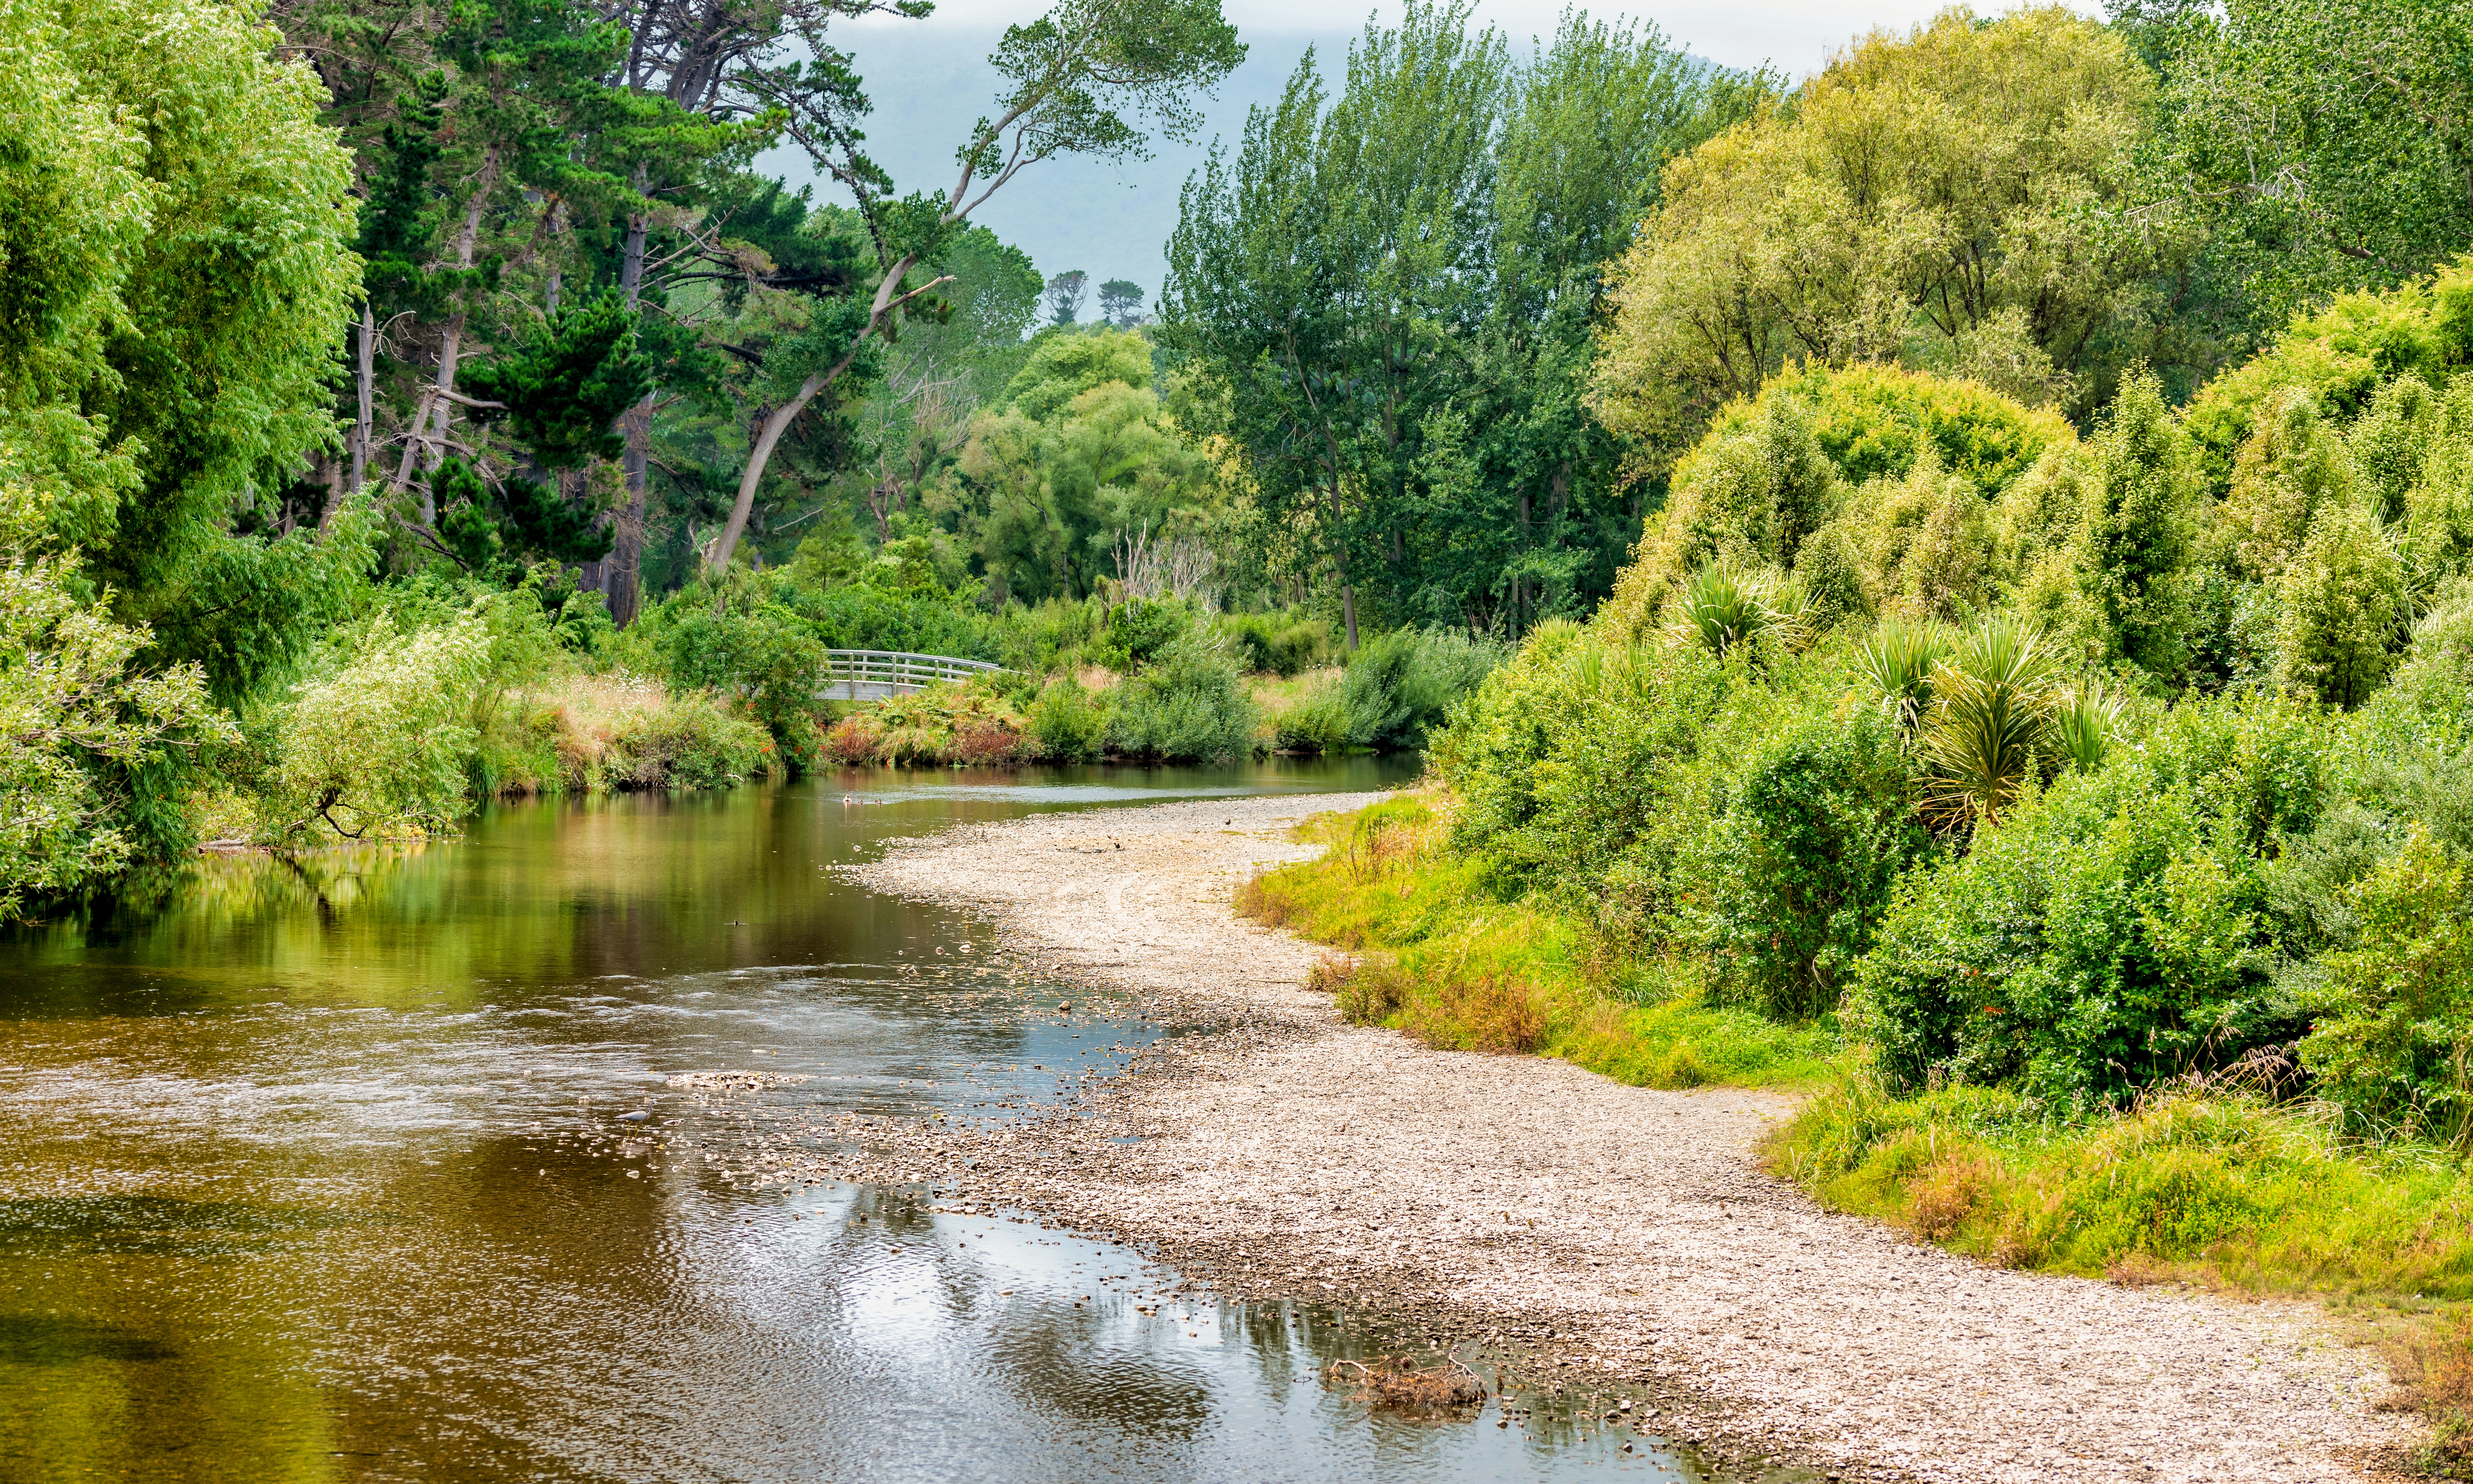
(873, 674)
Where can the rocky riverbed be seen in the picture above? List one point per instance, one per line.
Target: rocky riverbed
(1569, 1227)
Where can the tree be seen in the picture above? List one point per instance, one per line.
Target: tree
(1952, 199)
(1065, 293)
(1391, 293)
(1077, 462)
(1072, 79)
(2320, 145)
(2139, 527)
(2342, 607)
(1121, 303)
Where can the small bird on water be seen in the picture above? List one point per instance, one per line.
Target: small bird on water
(640, 1115)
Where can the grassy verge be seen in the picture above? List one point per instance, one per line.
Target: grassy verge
(1438, 954)
(2217, 1186)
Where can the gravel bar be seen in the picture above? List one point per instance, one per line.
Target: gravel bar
(1582, 1231)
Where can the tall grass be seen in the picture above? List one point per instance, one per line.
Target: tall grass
(1440, 955)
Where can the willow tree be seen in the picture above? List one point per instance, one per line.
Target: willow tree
(1951, 198)
(2323, 145)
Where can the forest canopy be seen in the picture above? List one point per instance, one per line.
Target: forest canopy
(337, 339)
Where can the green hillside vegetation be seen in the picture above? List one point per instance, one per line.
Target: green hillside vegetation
(2084, 822)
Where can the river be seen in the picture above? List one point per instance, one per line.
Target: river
(312, 1171)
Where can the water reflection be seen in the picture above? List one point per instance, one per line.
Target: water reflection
(309, 1171)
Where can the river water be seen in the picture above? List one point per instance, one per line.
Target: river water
(310, 1170)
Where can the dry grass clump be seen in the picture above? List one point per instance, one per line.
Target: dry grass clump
(1482, 1011)
(2431, 1364)
(1259, 900)
(1947, 1193)
(1389, 1382)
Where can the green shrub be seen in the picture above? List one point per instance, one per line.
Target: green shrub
(685, 741)
(1819, 825)
(1187, 705)
(1281, 644)
(1067, 722)
(1058, 635)
(1400, 685)
(1721, 607)
(2114, 931)
(2342, 607)
(379, 748)
(1140, 629)
(2139, 529)
(2393, 1043)
(757, 652)
(1317, 725)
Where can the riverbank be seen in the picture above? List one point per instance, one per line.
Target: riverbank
(1599, 1232)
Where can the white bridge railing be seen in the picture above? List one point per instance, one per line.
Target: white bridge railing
(873, 674)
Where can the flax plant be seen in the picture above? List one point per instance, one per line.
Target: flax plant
(1991, 715)
(1722, 607)
(1899, 659)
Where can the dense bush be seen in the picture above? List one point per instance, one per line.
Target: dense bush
(1398, 686)
(2115, 930)
(1819, 823)
(1067, 722)
(2394, 1037)
(1281, 644)
(379, 748)
(1190, 703)
(1139, 628)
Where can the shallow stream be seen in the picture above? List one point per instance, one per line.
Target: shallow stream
(312, 1171)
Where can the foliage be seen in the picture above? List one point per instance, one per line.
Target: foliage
(71, 696)
(1283, 644)
(1445, 957)
(1401, 685)
(1138, 630)
(1864, 223)
(2342, 607)
(1821, 824)
(1992, 705)
(2319, 143)
(942, 724)
(2140, 526)
(1189, 703)
(1067, 722)
(1874, 485)
(1387, 294)
(378, 750)
(2393, 1041)
(2112, 931)
(1079, 457)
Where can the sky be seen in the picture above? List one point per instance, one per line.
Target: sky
(929, 80)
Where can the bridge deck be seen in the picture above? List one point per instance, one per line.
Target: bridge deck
(875, 674)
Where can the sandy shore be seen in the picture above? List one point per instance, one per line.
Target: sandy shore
(1586, 1230)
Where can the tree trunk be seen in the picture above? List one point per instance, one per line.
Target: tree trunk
(1339, 564)
(444, 409)
(365, 378)
(620, 572)
(768, 435)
